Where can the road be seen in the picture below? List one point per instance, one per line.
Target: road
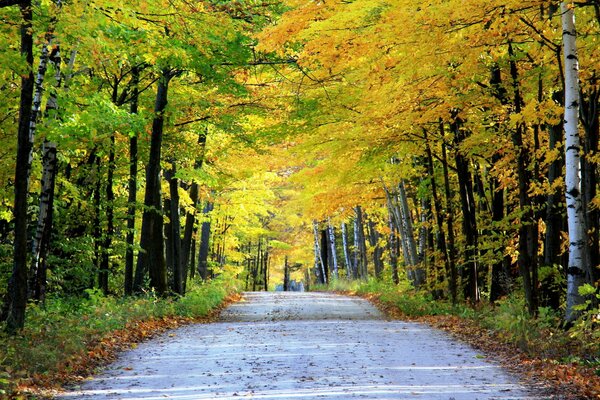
(304, 346)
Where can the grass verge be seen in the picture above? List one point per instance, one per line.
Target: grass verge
(68, 339)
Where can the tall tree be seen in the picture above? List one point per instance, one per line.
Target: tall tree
(16, 300)
(152, 257)
(578, 257)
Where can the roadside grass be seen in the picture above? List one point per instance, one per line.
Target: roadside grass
(544, 348)
(68, 336)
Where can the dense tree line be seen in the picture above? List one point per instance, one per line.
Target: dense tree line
(466, 133)
(164, 140)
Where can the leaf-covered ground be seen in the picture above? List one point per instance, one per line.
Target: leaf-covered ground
(562, 380)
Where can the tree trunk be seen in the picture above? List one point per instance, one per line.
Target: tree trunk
(438, 212)
(377, 251)
(110, 220)
(325, 253)
(589, 176)
(346, 250)
(416, 273)
(175, 234)
(286, 275)
(467, 201)
(393, 249)
(319, 264)
(449, 224)
(527, 226)
(204, 242)
(41, 241)
(578, 258)
(16, 300)
(97, 228)
(190, 218)
(334, 261)
(152, 257)
(360, 247)
(132, 186)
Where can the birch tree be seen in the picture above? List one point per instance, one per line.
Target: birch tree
(578, 259)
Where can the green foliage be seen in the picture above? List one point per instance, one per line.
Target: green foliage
(586, 329)
(410, 302)
(513, 323)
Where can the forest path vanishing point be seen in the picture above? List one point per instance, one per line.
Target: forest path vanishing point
(289, 345)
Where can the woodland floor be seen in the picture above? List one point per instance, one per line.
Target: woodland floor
(304, 346)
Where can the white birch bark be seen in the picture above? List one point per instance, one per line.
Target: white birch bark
(319, 266)
(333, 252)
(408, 235)
(575, 216)
(346, 253)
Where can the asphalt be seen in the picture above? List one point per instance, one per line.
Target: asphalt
(289, 345)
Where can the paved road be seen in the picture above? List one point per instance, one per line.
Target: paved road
(304, 346)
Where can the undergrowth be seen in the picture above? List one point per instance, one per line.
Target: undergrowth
(64, 328)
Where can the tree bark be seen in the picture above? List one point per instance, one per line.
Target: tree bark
(132, 186)
(110, 219)
(204, 242)
(334, 261)
(528, 225)
(377, 251)
(41, 241)
(578, 257)
(467, 201)
(152, 257)
(393, 249)
(175, 234)
(16, 300)
(453, 283)
(190, 218)
(319, 264)
(438, 212)
(346, 251)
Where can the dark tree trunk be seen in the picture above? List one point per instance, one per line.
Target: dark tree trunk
(453, 283)
(190, 218)
(175, 233)
(377, 250)
(500, 280)
(393, 249)
(554, 206)
(204, 243)
(286, 275)
(110, 220)
(266, 266)
(437, 207)
(152, 257)
(589, 176)
(467, 201)
(16, 300)
(527, 230)
(325, 253)
(132, 187)
(97, 229)
(360, 247)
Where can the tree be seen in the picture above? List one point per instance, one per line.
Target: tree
(578, 258)
(16, 300)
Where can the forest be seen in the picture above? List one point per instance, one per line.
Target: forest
(448, 148)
